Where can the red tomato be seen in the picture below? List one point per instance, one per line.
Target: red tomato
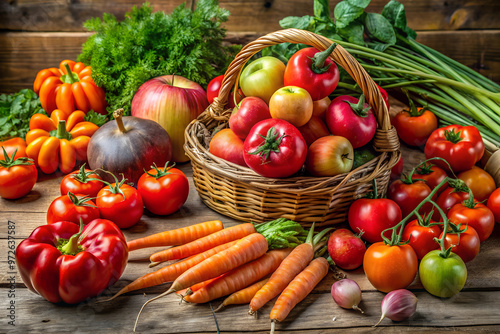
(350, 117)
(460, 146)
(214, 87)
(314, 71)
(494, 204)
(448, 198)
(390, 268)
(120, 203)
(17, 176)
(385, 96)
(473, 214)
(421, 236)
(414, 126)
(227, 145)
(409, 195)
(466, 245)
(479, 181)
(16, 144)
(432, 175)
(275, 148)
(373, 215)
(397, 170)
(346, 249)
(72, 208)
(79, 182)
(163, 190)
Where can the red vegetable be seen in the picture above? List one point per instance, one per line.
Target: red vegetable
(448, 198)
(72, 208)
(466, 244)
(415, 125)
(460, 146)
(473, 214)
(314, 71)
(432, 175)
(494, 204)
(64, 262)
(346, 249)
(421, 234)
(17, 175)
(82, 181)
(408, 194)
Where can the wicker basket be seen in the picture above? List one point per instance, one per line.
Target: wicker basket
(240, 193)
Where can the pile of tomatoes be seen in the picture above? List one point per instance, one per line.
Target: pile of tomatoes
(285, 119)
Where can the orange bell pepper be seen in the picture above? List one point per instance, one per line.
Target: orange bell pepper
(59, 141)
(69, 88)
(13, 144)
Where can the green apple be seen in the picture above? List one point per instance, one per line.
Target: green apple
(262, 77)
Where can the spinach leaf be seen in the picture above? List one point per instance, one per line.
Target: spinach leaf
(353, 33)
(394, 12)
(359, 3)
(322, 10)
(345, 13)
(296, 22)
(380, 28)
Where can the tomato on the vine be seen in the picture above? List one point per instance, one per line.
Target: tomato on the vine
(120, 203)
(163, 190)
(390, 267)
(408, 194)
(432, 175)
(17, 176)
(72, 208)
(442, 276)
(475, 215)
(448, 198)
(275, 148)
(494, 204)
(421, 233)
(82, 182)
(465, 244)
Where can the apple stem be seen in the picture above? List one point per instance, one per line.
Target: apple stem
(117, 114)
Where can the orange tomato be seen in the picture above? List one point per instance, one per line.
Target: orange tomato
(479, 181)
(16, 144)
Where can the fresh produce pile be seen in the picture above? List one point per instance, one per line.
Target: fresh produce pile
(295, 112)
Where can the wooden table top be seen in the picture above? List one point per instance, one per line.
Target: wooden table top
(475, 308)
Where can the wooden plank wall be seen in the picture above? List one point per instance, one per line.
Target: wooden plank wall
(35, 34)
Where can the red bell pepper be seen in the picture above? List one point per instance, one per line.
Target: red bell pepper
(314, 71)
(64, 262)
(460, 146)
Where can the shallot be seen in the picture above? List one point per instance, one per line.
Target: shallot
(347, 294)
(398, 305)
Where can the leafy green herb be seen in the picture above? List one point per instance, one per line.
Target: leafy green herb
(95, 118)
(15, 113)
(125, 54)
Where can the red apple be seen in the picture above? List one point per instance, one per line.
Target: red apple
(173, 102)
(251, 111)
(262, 77)
(329, 156)
(292, 104)
(228, 146)
(314, 129)
(320, 106)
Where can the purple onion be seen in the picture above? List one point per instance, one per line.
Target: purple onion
(398, 305)
(347, 294)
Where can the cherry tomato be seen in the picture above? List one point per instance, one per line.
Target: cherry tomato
(473, 214)
(432, 175)
(17, 176)
(79, 182)
(421, 236)
(120, 203)
(414, 126)
(479, 181)
(373, 215)
(409, 195)
(163, 190)
(214, 87)
(275, 148)
(448, 198)
(460, 146)
(390, 267)
(442, 277)
(466, 245)
(346, 249)
(494, 204)
(72, 208)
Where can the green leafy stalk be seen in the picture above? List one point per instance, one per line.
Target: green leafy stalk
(282, 233)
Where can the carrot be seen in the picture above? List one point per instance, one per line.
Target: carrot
(171, 272)
(243, 296)
(298, 289)
(294, 263)
(240, 277)
(200, 245)
(247, 249)
(178, 236)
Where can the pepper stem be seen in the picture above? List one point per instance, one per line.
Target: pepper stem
(69, 77)
(117, 114)
(61, 131)
(72, 246)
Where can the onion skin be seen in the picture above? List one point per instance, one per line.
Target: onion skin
(347, 294)
(398, 305)
(145, 142)
(173, 102)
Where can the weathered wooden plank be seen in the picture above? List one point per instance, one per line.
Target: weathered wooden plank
(22, 55)
(317, 312)
(246, 15)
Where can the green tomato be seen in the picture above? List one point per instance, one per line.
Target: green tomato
(442, 277)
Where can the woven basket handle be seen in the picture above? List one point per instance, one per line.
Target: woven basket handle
(386, 139)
